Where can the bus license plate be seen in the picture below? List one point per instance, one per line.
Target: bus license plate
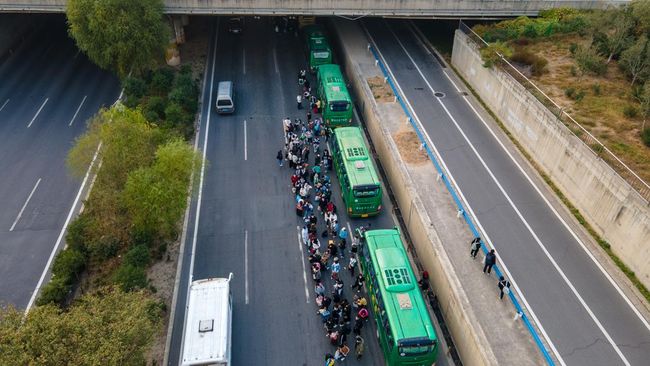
(364, 215)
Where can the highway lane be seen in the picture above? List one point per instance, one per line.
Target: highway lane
(42, 85)
(586, 318)
(247, 223)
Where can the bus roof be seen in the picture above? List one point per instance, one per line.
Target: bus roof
(358, 164)
(402, 299)
(207, 324)
(333, 83)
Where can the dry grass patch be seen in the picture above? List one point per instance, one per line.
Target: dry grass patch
(381, 90)
(600, 111)
(409, 146)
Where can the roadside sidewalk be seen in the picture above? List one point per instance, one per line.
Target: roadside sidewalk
(483, 327)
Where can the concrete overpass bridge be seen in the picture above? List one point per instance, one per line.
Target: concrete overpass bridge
(352, 8)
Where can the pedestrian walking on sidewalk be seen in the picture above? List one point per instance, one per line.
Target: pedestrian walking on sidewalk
(358, 282)
(475, 245)
(299, 101)
(489, 261)
(504, 287)
(280, 158)
(352, 265)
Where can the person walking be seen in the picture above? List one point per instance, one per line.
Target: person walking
(359, 346)
(343, 234)
(490, 260)
(358, 282)
(280, 158)
(352, 265)
(336, 268)
(475, 245)
(319, 289)
(299, 101)
(329, 360)
(504, 287)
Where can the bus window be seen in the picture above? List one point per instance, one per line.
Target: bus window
(321, 54)
(339, 106)
(367, 191)
(414, 350)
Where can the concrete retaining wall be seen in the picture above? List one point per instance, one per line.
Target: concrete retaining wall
(469, 338)
(440, 8)
(615, 210)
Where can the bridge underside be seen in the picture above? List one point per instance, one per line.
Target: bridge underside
(349, 8)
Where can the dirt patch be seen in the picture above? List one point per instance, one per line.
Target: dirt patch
(409, 146)
(381, 90)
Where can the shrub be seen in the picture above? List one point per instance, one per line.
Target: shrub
(589, 61)
(137, 256)
(630, 111)
(161, 81)
(530, 31)
(536, 62)
(596, 89)
(76, 236)
(130, 277)
(569, 92)
(103, 249)
(55, 292)
(579, 95)
(574, 71)
(68, 264)
(491, 55)
(134, 88)
(573, 47)
(154, 108)
(645, 136)
(185, 93)
(176, 115)
(185, 69)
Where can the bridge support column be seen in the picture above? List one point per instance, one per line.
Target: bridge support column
(179, 22)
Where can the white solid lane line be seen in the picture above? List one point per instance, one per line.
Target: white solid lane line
(246, 263)
(25, 205)
(245, 143)
(37, 113)
(275, 61)
(78, 109)
(302, 261)
(63, 229)
(4, 104)
(468, 206)
(555, 212)
(200, 195)
(521, 217)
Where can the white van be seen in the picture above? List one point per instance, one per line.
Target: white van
(225, 96)
(208, 323)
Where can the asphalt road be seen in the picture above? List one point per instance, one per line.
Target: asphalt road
(247, 223)
(42, 88)
(587, 320)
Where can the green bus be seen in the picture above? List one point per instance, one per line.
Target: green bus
(318, 49)
(360, 186)
(404, 329)
(336, 104)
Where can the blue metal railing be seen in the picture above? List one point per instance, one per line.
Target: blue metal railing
(459, 204)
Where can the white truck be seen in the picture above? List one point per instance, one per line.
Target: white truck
(208, 323)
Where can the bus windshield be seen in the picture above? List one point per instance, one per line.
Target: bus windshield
(339, 106)
(366, 191)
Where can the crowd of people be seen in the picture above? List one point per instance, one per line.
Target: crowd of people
(324, 236)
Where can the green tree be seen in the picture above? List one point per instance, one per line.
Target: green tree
(635, 60)
(613, 31)
(643, 97)
(121, 35)
(491, 54)
(109, 327)
(155, 196)
(641, 13)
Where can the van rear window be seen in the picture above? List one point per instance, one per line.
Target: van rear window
(224, 103)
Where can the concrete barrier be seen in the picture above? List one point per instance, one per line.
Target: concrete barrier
(616, 211)
(469, 338)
